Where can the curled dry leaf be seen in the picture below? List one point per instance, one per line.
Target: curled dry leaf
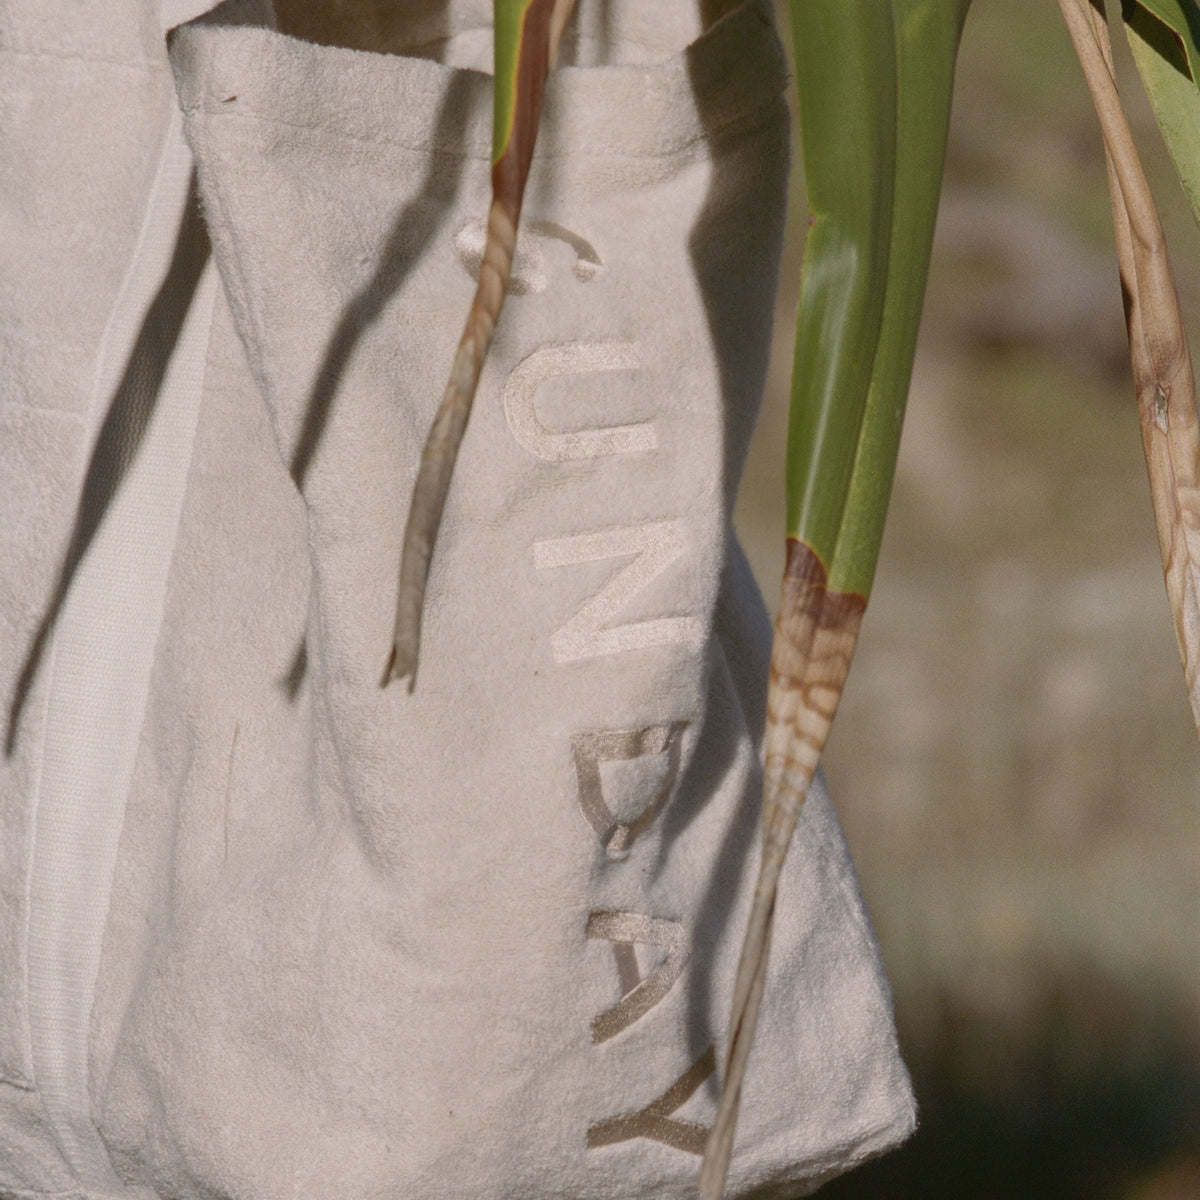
(537, 30)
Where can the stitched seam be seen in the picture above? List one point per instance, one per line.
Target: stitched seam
(743, 118)
(142, 68)
(239, 279)
(21, 1194)
(48, 410)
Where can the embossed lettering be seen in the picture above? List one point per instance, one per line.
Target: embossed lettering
(617, 834)
(655, 1121)
(625, 930)
(587, 264)
(529, 263)
(550, 361)
(589, 633)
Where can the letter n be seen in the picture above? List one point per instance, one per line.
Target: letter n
(590, 633)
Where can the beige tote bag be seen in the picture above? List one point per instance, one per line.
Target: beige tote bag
(478, 941)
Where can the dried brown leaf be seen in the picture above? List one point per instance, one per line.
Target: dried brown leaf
(542, 28)
(1162, 365)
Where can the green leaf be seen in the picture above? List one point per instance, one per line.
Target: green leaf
(874, 84)
(846, 91)
(1171, 27)
(927, 36)
(1163, 35)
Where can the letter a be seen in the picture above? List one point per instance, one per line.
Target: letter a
(625, 930)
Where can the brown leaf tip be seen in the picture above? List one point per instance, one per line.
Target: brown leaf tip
(808, 606)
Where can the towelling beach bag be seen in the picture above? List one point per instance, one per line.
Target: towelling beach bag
(268, 930)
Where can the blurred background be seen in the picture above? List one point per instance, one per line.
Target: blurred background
(1014, 761)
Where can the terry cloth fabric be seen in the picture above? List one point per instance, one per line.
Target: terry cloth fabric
(267, 930)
